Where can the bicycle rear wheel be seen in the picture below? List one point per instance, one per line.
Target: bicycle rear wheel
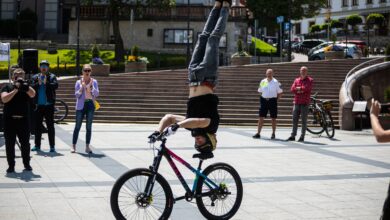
(315, 121)
(60, 111)
(223, 202)
(129, 201)
(329, 125)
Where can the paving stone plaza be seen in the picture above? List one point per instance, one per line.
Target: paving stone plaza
(342, 178)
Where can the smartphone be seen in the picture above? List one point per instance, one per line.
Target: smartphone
(385, 108)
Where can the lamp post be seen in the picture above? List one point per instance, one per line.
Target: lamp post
(78, 39)
(18, 17)
(289, 30)
(188, 32)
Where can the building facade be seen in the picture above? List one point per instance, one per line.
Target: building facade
(340, 9)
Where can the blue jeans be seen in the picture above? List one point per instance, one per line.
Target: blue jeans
(205, 59)
(88, 111)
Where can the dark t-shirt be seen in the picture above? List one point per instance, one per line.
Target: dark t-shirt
(18, 104)
(204, 106)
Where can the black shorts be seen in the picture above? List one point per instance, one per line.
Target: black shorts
(270, 105)
(204, 106)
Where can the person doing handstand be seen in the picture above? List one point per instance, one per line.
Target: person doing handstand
(202, 117)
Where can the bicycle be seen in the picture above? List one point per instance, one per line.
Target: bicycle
(61, 111)
(145, 194)
(320, 117)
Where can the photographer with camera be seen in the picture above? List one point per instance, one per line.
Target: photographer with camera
(45, 84)
(381, 136)
(16, 97)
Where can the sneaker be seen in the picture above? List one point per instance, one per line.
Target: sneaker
(27, 167)
(291, 138)
(52, 150)
(273, 136)
(301, 139)
(35, 148)
(73, 150)
(256, 136)
(11, 170)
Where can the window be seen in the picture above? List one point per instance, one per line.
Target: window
(311, 23)
(369, 2)
(355, 2)
(222, 42)
(150, 32)
(297, 28)
(178, 36)
(382, 1)
(7, 9)
(51, 13)
(345, 3)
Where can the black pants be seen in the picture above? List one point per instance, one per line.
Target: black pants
(386, 206)
(46, 111)
(12, 128)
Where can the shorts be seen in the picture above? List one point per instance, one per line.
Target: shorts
(204, 106)
(268, 105)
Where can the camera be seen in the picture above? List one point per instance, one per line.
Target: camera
(385, 108)
(23, 85)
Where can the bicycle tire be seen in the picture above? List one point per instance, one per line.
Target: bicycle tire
(61, 111)
(146, 173)
(220, 197)
(315, 123)
(330, 131)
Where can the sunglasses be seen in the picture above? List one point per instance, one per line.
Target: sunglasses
(44, 67)
(87, 70)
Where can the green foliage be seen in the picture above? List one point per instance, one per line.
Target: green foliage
(333, 38)
(315, 28)
(267, 10)
(387, 94)
(387, 52)
(376, 18)
(95, 51)
(135, 51)
(354, 20)
(336, 24)
(262, 48)
(324, 27)
(239, 46)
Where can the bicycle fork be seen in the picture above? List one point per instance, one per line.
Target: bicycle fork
(151, 180)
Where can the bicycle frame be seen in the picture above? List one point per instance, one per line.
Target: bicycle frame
(168, 154)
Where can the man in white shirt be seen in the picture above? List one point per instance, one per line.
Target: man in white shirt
(270, 91)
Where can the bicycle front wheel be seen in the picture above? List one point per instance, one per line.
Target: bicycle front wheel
(315, 122)
(224, 201)
(60, 111)
(129, 200)
(329, 124)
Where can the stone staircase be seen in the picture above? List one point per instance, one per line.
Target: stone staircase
(146, 97)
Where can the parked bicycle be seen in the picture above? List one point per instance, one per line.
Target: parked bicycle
(61, 111)
(320, 117)
(145, 194)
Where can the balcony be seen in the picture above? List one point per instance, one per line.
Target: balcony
(197, 13)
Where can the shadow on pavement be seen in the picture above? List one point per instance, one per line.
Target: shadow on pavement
(48, 154)
(92, 155)
(26, 176)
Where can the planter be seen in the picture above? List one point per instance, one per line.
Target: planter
(236, 61)
(330, 55)
(135, 67)
(100, 69)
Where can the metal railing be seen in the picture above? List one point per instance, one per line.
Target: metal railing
(353, 70)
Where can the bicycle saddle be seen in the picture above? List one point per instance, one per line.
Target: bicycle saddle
(203, 156)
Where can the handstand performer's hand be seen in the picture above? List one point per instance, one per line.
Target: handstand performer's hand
(171, 129)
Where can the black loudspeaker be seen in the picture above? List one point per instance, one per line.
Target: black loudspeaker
(30, 62)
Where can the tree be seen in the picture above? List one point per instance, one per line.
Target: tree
(315, 28)
(336, 24)
(116, 7)
(324, 27)
(267, 10)
(354, 20)
(375, 18)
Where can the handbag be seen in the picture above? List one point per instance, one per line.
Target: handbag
(96, 104)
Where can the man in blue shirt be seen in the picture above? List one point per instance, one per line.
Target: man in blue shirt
(45, 84)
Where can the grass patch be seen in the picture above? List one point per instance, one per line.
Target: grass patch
(262, 48)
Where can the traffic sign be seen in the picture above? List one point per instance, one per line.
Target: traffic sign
(279, 19)
(249, 40)
(287, 26)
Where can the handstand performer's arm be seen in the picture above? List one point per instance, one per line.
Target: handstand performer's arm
(169, 119)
